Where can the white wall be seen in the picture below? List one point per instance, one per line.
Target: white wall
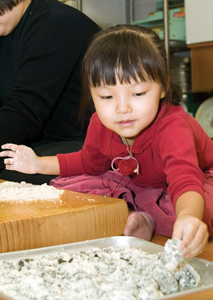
(199, 21)
(111, 12)
(69, 2)
(142, 8)
(105, 12)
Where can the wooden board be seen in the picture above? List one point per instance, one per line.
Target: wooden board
(74, 217)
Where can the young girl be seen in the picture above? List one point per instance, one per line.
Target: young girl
(161, 159)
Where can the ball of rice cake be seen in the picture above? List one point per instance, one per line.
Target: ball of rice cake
(166, 281)
(172, 255)
(188, 276)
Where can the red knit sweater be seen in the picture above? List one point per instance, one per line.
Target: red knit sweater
(171, 152)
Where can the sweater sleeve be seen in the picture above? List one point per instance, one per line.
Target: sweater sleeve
(91, 160)
(174, 143)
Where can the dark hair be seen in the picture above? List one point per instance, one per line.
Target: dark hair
(126, 52)
(7, 5)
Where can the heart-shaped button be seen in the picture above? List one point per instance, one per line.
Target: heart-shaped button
(127, 165)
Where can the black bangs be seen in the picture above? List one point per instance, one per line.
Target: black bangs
(123, 53)
(123, 56)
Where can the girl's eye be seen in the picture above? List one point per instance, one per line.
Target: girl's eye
(106, 97)
(139, 94)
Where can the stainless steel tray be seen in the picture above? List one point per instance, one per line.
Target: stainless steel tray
(204, 267)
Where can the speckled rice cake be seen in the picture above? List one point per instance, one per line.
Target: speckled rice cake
(109, 273)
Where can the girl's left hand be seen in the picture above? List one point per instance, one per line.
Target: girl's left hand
(19, 158)
(193, 233)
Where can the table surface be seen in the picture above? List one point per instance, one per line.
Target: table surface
(206, 254)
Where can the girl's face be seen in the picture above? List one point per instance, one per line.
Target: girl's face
(127, 109)
(11, 18)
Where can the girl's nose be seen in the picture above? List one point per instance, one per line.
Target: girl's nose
(123, 106)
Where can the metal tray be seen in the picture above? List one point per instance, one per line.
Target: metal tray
(204, 267)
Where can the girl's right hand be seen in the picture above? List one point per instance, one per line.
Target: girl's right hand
(20, 158)
(193, 233)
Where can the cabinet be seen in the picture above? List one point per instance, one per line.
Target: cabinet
(199, 38)
(168, 21)
(202, 66)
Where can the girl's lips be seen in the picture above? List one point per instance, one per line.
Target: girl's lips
(126, 123)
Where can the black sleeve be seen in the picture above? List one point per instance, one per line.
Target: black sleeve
(48, 55)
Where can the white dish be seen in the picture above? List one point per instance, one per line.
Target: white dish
(204, 116)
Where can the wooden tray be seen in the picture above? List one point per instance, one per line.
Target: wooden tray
(74, 217)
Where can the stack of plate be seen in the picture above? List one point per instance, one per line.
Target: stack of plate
(180, 69)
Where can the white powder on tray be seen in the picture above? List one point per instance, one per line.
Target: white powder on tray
(111, 273)
(14, 191)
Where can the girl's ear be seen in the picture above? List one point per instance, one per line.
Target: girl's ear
(163, 94)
